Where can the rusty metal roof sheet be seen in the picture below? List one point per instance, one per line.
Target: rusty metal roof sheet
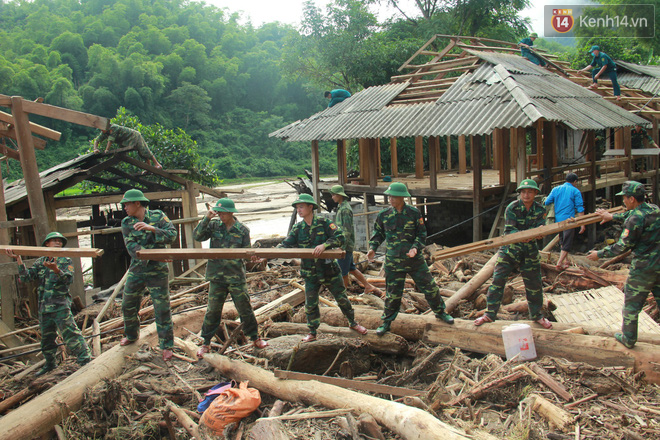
(505, 91)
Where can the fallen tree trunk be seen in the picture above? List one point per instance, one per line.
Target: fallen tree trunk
(597, 350)
(471, 286)
(38, 416)
(409, 423)
(387, 344)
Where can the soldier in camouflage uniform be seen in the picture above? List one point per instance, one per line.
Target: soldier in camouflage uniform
(521, 215)
(320, 234)
(143, 228)
(226, 276)
(126, 137)
(641, 233)
(344, 220)
(403, 227)
(55, 275)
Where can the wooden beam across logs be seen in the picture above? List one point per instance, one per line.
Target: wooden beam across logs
(42, 251)
(518, 237)
(234, 253)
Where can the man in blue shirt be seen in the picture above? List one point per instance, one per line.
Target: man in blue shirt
(568, 200)
(337, 96)
(525, 44)
(604, 66)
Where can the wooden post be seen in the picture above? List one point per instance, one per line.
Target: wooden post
(342, 172)
(462, 157)
(315, 172)
(372, 165)
(189, 210)
(496, 138)
(476, 188)
(591, 195)
(7, 284)
(449, 165)
(419, 157)
(30, 169)
(434, 145)
(627, 146)
(488, 141)
(505, 158)
(379, 161)
(394, 158)
(366, 218)
(539, 144)
(77, 288)
(521, 153)
(656, 163)
(549, 148)
(49, 201)
(363, 148)
(513, 147)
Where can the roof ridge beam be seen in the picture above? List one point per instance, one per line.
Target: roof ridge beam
(526, 105)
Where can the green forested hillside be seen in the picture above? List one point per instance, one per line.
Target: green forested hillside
(187, 65)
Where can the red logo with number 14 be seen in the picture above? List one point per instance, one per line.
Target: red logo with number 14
(562, 20)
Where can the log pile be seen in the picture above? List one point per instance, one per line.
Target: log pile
(422, 380)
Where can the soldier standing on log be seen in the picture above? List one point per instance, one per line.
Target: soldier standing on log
(403, 227)
(641, 233)
(144, 228)
(55, 275)
(320, 234)
(226, 276)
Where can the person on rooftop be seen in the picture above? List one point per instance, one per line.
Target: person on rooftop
(526, 44)
(126, 137)
(336, 96)
(604, 66)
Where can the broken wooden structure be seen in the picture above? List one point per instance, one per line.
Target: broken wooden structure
(479, 97)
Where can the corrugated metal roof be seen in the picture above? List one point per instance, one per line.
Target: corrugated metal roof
(505, 91)
(653, 71)
(634, 81)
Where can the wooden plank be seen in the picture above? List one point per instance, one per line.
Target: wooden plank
(444, 64)
(14, 223)
(477, 199)
(8, 294)
(43, 251)
(30, 170)
(348, 383)
(517, 237)
(419, 51)
(636, 152)
(434, 72)
(293, 299)
(34, 128)
(77, 201)
(64, 114)
(9, 152)
(234, 253)
(39, 143)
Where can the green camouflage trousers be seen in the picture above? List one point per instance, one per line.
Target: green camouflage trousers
(217, 296)
(637, 288)
(530, 269)
(157, 284)
(62, 322)
(335, 285)
(395, 282)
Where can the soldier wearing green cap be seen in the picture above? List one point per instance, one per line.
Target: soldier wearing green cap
(603, 66)
(55, 275)
(344, 219)
(403, 227)
(318, 233)
(145, 228)
(525, 44)
(226, 276)
(520, 215)
(641, 234)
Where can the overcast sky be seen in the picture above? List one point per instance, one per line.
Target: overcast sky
(290, 11)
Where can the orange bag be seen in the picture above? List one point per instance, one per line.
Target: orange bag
(232, 405)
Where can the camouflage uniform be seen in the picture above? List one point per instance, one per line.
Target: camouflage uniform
(641, 233)
(319, 272)
(523, 255)
(226, 276)
(404, 231)
(126, 137)
(344, 220)
(148, 274)
(55, 309)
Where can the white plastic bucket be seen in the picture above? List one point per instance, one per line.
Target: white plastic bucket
(518, 338)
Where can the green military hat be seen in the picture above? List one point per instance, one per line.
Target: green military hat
(225, 205)
(528, 183)
(533, 35)
(339, 190)
(134, 195)
(54, 235)
(397, 189)
(305, 198)
(591, 51)
(632, 188)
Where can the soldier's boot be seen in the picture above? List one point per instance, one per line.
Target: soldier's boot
(445, 317)
(624, 340)
(384, 328)
(358, 328)
(48, 367)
